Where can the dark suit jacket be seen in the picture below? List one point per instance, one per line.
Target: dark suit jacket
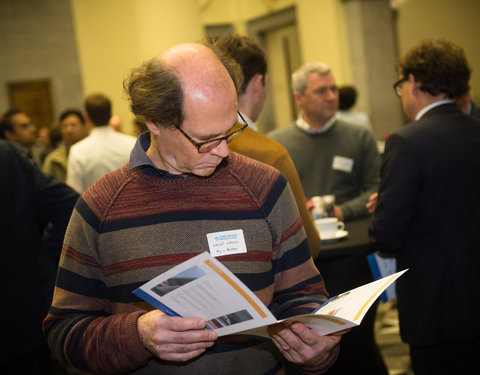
(474, 110)
(28, 200)
(428, 214)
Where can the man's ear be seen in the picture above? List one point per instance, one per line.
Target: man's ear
(9, 136)
(259, 81)
(254, 85)
(414, 84)
(297, 95)
(152, 127)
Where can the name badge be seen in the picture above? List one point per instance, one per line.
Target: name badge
(341, 163)
(226, 243)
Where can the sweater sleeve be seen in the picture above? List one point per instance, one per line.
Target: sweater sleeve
(81, 328)
(299, 287)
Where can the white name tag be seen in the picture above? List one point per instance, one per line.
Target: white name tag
(343, 164)
(226, 243)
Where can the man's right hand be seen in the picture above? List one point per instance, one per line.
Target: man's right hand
(174, 338)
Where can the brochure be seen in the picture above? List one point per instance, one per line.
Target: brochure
(203, 287)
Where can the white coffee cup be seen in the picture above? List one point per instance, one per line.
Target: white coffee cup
(329, 226)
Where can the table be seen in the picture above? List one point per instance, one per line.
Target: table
(344, 266)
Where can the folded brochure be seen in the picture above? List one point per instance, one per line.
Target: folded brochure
(203, 287)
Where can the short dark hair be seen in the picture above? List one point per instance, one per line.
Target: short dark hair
(439, 66)
(156, 94)
(72, 112)
(246, 52)
(347, 96)
(55, 136)
(6, 123)
(99, 109)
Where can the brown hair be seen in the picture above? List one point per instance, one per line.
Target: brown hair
(439, 66)
(6, 124)
(248, 53)
(98, 108)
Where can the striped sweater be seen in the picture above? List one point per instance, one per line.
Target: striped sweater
(131, 226)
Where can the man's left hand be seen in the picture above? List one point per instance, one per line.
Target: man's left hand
(300, 345)
(338, 212)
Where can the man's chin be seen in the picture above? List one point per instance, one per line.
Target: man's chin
(204, 172)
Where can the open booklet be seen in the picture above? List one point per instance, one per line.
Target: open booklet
(204, 287)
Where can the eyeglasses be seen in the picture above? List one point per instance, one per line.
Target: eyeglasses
(397, 86)
(204, 147)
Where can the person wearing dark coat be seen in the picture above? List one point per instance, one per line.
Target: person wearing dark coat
(34, 212)
(428, 211)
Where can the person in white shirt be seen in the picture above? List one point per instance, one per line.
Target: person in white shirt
(103, 151)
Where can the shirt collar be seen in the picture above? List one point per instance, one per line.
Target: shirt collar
(140, 160)
(247, 120)
(302, 124)
(431, 106)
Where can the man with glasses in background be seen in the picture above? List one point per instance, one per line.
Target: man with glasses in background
(183, 183)
(428, 211)
(17, 128)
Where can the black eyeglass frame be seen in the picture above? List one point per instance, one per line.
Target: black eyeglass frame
(214, 142)
(397, 86)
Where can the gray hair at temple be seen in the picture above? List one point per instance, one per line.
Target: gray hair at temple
(300, 76)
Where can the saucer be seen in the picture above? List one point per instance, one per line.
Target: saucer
(338, 236)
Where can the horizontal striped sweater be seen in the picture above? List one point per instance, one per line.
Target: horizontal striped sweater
(130, 226)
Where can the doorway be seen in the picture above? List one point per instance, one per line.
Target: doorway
(277, 33)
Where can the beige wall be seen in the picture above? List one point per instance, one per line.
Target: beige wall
(458, 21)
(323, 35)
(321, 26)
(113, 36)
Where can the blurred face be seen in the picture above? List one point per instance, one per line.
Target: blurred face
(44, 136)
(319, 101)
(408, 100)
(72, 129)
(175, 153)
(23, 130)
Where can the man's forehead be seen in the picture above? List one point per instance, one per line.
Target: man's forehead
(20, 118)
(317, 79)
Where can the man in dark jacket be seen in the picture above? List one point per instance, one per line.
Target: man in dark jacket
(428, 211)
(34, 213)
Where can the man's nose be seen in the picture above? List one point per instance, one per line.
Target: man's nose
(331, 94)
(221, 149)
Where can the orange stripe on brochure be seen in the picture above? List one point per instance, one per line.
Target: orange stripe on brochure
(224, 276)
(372, 297)
(330, 318)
